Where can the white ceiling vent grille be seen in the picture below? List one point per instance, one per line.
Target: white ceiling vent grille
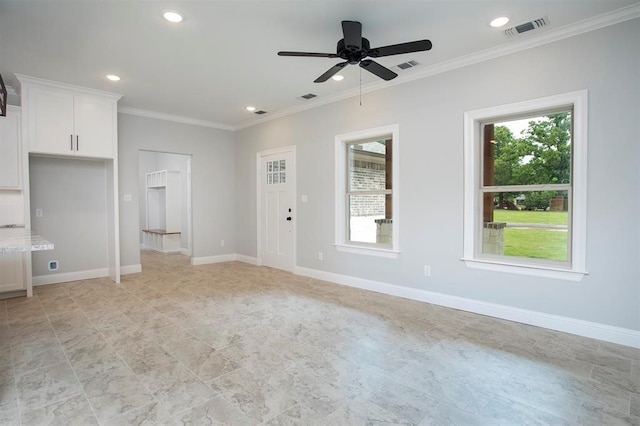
(408, 64)
(527, 26)
(308, 96)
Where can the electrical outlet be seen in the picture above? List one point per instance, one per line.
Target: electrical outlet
(39, 213)
(427, 270)
(320, 255)
(221, 243)
(53, 265)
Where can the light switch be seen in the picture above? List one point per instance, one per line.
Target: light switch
(304, 199)
(127, 197)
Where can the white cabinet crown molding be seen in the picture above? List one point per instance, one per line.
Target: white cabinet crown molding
(55, 84)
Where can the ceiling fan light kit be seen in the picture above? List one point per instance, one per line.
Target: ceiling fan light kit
(355, 49)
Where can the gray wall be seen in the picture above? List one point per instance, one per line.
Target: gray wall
(213, 187)
(430, 114)
(72, 196)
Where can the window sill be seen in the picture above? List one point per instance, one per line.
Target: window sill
(532, 270)
(369, 251)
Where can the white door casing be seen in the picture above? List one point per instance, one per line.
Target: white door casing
(276, 208)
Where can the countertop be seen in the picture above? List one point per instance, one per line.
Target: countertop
(17, 240)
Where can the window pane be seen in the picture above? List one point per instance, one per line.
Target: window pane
(369, 169)
(367, 223)
(535, 150)
(531, 224)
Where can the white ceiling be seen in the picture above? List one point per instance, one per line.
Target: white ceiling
(222, 57)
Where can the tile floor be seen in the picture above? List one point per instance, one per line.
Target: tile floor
(234, 344)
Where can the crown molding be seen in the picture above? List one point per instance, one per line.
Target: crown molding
(175, 118)
(48, 83)
(552, 35)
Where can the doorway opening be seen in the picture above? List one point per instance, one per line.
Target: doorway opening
(165, 202)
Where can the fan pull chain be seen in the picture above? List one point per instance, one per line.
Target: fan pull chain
(360, 85)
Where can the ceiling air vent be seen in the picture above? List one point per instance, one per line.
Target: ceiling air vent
(308, 96)
(408, 64)
(260, 112)
(527, 26)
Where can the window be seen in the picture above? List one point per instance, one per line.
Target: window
(276, 172)
(367, 192)
(525, 187)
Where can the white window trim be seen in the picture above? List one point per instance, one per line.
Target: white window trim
(472, 202)
(341, 142)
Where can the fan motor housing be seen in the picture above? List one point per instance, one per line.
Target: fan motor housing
(353, 55)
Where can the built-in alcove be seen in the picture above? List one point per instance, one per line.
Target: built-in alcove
(165, 200)
(68, 199)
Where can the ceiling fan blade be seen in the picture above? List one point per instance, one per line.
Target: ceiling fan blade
(377, 69)
(333, 70)
(311, 54)
(398, 49)
(352, 31)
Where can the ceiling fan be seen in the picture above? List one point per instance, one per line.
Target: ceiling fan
(354, 48)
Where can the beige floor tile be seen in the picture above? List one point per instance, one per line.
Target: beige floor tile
(444, 414)
(176, 388)
(46, 385)
(233, 343)
(72, 411)
(634, 409)
(507, 412)
(617, 379)
(359, 412)
(145, 355)
(593, 414)
(115, 392)
(298, 415)
(257, 399)
(9, 413)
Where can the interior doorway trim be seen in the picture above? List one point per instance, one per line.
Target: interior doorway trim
(259, 187)
(188, 158)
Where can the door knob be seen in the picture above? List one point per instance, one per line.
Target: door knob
(289, 218)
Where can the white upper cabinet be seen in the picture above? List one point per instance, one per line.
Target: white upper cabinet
(49, 121)
(95, 128)
(68, 120)
(10, 154)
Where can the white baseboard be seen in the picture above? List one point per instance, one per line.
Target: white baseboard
(130, 269)
(223, 258)
(213, 259)
(185, 251)
(247, 259)
(622, 336)
(69, 276)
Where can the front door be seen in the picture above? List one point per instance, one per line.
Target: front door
(276, 176)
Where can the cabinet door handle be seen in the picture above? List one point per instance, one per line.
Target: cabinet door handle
(77, 143)
(71, 146)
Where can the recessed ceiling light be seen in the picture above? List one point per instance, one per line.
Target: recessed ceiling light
(338, 77)
(113, 77)
(499, 22)
(172, 16)
(251, 108)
